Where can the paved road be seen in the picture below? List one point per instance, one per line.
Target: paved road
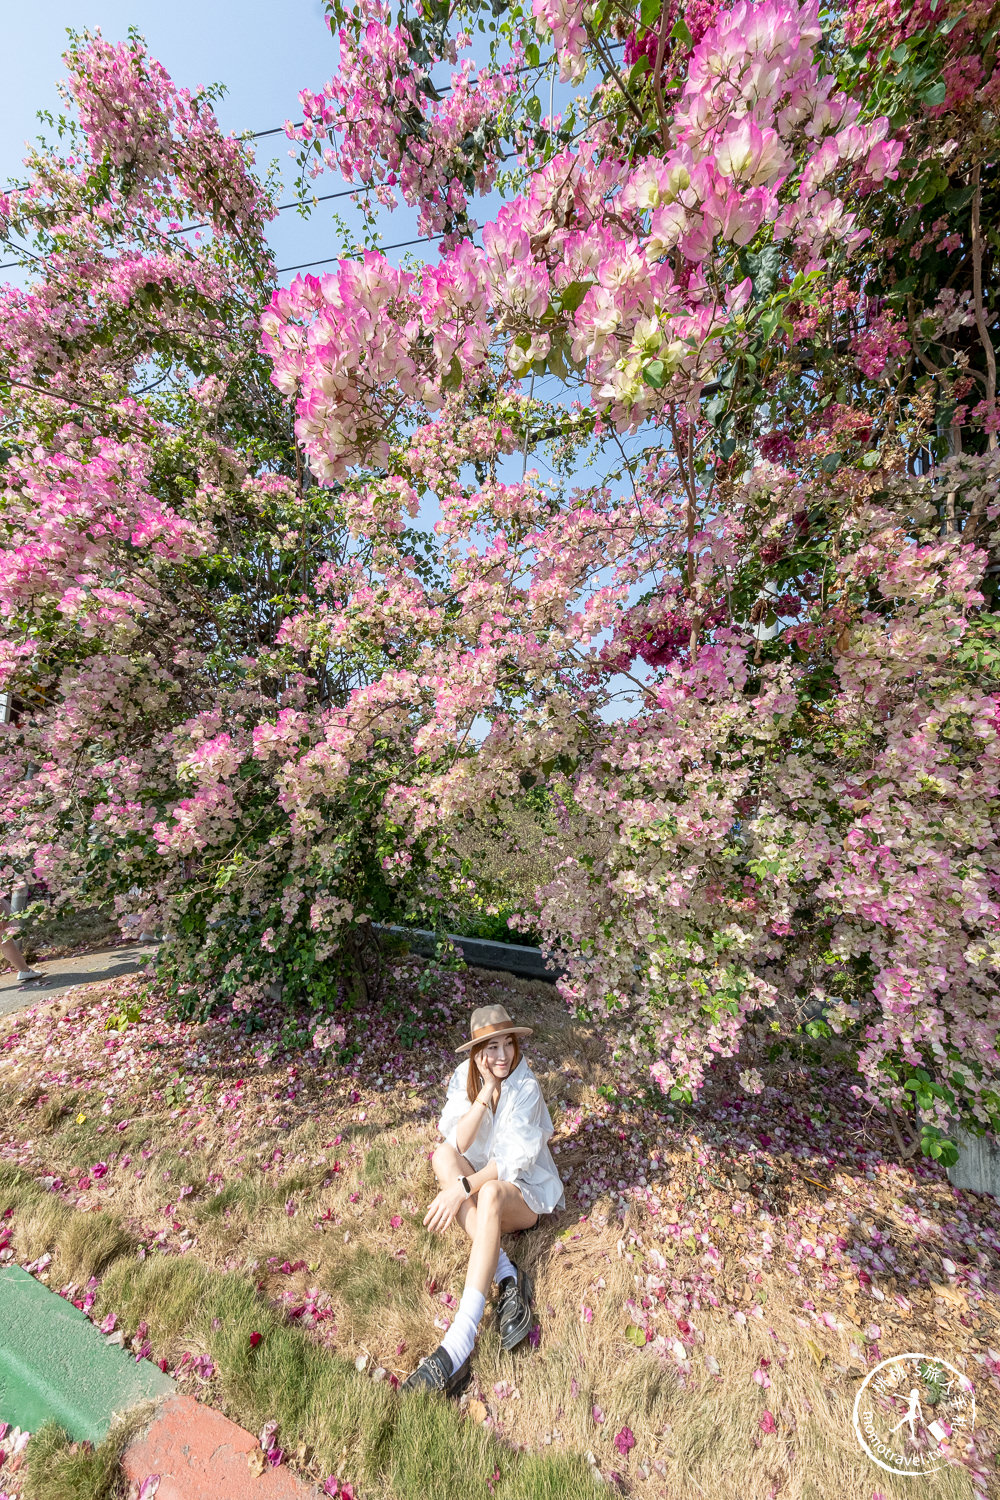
(63, 973)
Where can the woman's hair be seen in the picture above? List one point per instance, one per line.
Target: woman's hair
(473, 1082)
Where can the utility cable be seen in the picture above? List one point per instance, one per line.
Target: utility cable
(324, 197)
(426, 239)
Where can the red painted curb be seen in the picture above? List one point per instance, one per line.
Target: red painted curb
(199, 1454)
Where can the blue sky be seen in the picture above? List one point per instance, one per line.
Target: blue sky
(262, 51)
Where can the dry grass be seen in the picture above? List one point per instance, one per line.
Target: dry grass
(697, 1432)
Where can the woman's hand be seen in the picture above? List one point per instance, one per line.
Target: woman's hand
(444, 1208)
(486, 1074)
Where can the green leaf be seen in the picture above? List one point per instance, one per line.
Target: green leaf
(764, 267)
(959, 198)
(653, 374)
(769, 322)
(649, 11)
(453, 380)
(555, 362)
(574, 294)
(935, 94)
(681, 34)
(636, 1335)
(531, 55)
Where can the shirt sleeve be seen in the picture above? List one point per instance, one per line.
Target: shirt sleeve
(455, 1105)
(525, 1132)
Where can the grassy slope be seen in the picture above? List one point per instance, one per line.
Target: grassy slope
(285, 1197)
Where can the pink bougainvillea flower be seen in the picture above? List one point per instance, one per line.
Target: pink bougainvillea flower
(624, 1441)
(767, 1422)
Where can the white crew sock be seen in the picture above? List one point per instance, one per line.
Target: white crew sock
(505, 1267)
(462, 1334)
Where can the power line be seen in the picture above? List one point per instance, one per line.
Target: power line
(313, 198)
(444, 88)
(295, 203)
(425, 239)
(258, 135)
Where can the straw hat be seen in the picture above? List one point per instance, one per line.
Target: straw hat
(491, 1020)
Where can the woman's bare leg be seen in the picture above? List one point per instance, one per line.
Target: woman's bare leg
(12, 953)
(9, 947)
(449, 1165)
(500, 1208)
(466, 1216)
(497, 1208)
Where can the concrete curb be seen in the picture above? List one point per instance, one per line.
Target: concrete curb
(54, 1363)
(482, 953)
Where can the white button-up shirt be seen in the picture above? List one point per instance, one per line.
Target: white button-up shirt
(516, 1137)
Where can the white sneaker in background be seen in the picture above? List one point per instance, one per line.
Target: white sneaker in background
(23, 975)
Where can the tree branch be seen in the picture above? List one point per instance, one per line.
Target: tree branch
(977, 298)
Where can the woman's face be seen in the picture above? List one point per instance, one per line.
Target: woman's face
(499, 1053)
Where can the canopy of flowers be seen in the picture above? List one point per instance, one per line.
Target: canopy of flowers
(260, 697)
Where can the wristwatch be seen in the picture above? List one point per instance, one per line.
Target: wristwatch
(465, 1183)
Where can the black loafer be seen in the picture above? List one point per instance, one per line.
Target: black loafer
(435, 1373)
(514, 1309)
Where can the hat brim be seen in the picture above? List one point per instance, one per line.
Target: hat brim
(481, 1041)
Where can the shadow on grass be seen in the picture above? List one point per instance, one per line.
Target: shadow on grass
(415, 1447)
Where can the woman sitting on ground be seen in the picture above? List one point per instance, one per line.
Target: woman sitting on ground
(496, 1175)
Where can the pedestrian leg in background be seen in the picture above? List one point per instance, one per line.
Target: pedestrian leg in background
(11, 950)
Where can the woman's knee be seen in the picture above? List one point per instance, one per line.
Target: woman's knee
(443, 1158)
(490, 1197)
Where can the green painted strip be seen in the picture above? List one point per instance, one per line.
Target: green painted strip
(54, 1364)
